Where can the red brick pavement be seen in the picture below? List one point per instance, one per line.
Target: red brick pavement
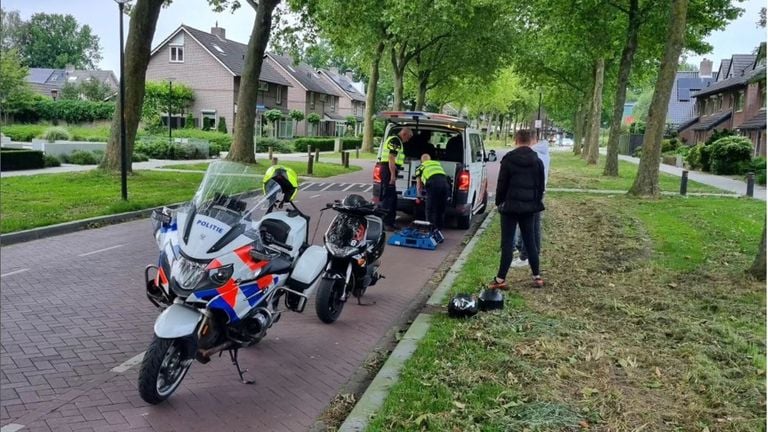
(68, 320)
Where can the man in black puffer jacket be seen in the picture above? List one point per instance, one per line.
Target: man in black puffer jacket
(519, 195)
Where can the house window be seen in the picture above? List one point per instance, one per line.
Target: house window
(739, 101)
(263, 86)
(762, 95)
(278, 95)
(177, 54)
(311, 100)
(333, 104)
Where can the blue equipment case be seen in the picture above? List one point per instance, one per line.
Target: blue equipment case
(419, 235)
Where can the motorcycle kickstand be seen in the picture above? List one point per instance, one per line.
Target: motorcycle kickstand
(360, 302)
(233, 356)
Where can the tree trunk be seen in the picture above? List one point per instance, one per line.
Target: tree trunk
(421, 95)
(647, 179)
(242, 141)
(758, 267)
(138, 46)
(370, 98)
(625, 67)
(577, 130)
(398, 70)
(592, 152)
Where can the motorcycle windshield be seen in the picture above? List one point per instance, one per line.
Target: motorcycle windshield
(345, 235)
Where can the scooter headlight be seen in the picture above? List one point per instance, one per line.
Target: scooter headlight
(340, 251)
(221, 275)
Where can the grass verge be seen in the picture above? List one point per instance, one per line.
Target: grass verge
(322, 169)
(647, 323)
(570, 171)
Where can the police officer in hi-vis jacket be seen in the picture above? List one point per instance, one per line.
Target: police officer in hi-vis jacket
(393, 148)
(431, 176)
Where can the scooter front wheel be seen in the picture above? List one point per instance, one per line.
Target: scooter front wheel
(328, 303)
(164, 366)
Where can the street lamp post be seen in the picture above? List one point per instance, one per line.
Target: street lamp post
(123, 141)
(538, 120)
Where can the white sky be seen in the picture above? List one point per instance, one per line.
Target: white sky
(740, 37)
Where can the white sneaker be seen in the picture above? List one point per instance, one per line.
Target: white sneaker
(517, 263)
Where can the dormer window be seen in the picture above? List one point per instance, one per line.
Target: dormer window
(333, 104)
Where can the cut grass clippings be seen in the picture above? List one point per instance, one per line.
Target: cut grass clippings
(322, 169)
(648, 322)
(570, 171)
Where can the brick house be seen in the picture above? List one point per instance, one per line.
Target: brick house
(311, 92)
(681, 107)
(736, 100)
(211, 65)
(352, 103)
(49, 82)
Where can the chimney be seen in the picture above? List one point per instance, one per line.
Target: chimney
(334, 70)
(705, 69)
(219, 32)
(350, 76)
(69, 68)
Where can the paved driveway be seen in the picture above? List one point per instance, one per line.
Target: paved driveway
(75, 318)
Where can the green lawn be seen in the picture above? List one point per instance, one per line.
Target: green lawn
(322, 169)
(570, 171)
(647, 323)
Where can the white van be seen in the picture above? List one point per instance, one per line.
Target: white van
(448, 140)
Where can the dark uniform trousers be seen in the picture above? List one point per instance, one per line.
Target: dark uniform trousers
(388, 196)
(437, 199)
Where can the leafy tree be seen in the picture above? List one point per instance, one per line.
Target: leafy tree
(10, 30)
(158, 98)
(647, 178)
(15, 94)
(138, 45)
(274, 116)
(297, 116)
(91, 90)
(55, 41)
(189, 122)
(313, 119)
(222, 126)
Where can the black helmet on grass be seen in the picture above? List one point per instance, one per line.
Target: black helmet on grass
(462, 306)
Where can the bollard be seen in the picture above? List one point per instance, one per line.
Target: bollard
(750, 184)
(270, 152)
(310, 164)
(684, 183)
(346, 159)
(274, 161)
(317, 155)
(357, 152)
(342, 158)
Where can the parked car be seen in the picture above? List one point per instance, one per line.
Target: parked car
(458, 148)
(566, 142)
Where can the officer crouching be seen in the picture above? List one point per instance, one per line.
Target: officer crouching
(433, 182)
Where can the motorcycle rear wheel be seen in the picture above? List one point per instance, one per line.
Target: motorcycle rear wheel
(164, 366)
(328, 304)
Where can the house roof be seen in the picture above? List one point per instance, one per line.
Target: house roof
(306, 75)
(725, 64)
(345, 84)
(232, 55)
(756, 122)
(737, 81)
(740, 63)
(56, 78)
(334, 116)
(681, 103)
(712, 121)
(688, 123)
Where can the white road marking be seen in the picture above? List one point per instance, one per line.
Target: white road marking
(101, 250)
(131, 362)
(13, 273)
(349, 187)
(13, 427)
(314, 196)
(306, 185)
(329, 185)
(369, 188)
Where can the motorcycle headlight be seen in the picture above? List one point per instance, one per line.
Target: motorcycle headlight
(220, 275)
(340, 251)
(188, 273)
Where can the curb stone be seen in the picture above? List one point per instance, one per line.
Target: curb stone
(376, 393)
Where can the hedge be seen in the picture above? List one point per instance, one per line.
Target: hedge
(19, 159)
(325, 144)
(71, 111)
(22, 132)
(224, 141)
(262, 145)
(161, 149)
(730, 155)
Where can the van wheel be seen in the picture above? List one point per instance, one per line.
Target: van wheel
(464, 221)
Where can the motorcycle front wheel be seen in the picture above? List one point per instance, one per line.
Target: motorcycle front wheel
(328, 304)
(164, 366)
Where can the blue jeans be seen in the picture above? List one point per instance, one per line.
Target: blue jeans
(537, 236)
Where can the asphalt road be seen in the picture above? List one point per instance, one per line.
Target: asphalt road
(75, 321)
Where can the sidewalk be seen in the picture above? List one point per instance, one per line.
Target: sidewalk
(721, 182)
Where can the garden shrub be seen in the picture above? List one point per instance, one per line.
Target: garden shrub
(51, 161)
(56, 133)
(325, 144)
(20, 159)
(669, 145)
(222, 127)
(22, 132)
(158, 148)
(262, 145)
(730, 155)
(139, 157)
(81, 157)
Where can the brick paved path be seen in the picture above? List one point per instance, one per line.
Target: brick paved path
(72, 311)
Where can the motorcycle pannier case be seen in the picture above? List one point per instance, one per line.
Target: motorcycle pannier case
(309, 267)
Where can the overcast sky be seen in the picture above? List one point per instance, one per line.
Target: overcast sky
(740, 37)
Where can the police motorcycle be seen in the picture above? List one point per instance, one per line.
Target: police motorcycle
(224, 267)
(355, 242)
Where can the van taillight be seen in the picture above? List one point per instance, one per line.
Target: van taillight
(377, 173)
(464, 181)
